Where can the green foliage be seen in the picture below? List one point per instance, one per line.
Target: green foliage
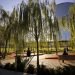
(72, 22)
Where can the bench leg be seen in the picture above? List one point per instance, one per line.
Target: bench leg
(63, 61)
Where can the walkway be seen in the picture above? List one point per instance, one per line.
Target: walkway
(50, 60)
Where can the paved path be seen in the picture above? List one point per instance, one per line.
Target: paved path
(50, 60)
(44, 59)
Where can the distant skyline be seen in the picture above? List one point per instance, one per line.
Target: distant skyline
(8, 5)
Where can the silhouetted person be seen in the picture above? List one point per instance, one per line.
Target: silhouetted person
(65, 51)
(28, 52)
(0, 53)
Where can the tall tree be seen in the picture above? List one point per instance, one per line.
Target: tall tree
(36, 24)
(51, 20)
(4, 20)
(72, 23)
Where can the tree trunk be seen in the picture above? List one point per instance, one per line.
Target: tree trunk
(55, 43)
(5, 49)
(37, 56)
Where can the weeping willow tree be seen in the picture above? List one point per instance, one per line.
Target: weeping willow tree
(1, 37)
(72, 23)
(6, 34)
(36, 24)
(28, 18)
(51, 21)
(18, 26)
(21, 26)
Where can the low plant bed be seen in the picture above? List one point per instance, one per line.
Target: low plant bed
(43, 70)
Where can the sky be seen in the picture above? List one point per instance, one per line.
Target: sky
(8, 5)
(65, 35)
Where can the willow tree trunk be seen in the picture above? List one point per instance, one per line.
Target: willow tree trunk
(55, 43)
(37, 55)
(5, 53)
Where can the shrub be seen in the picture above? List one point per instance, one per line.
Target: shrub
(1, 66)
(30, 69)
(12, 67)
(21, 67)
(18, 59)
(58, 71)
(69, 70)
(66, 70)
(72, 69)
(46, 71)
(7, 66)
(43, 70)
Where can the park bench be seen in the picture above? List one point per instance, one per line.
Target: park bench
(66, 57)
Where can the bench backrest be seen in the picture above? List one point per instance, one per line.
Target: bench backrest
(67, 57)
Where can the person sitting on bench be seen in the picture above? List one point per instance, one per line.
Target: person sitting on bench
(65, 51)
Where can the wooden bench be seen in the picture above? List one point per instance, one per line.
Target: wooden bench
(66, 57)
